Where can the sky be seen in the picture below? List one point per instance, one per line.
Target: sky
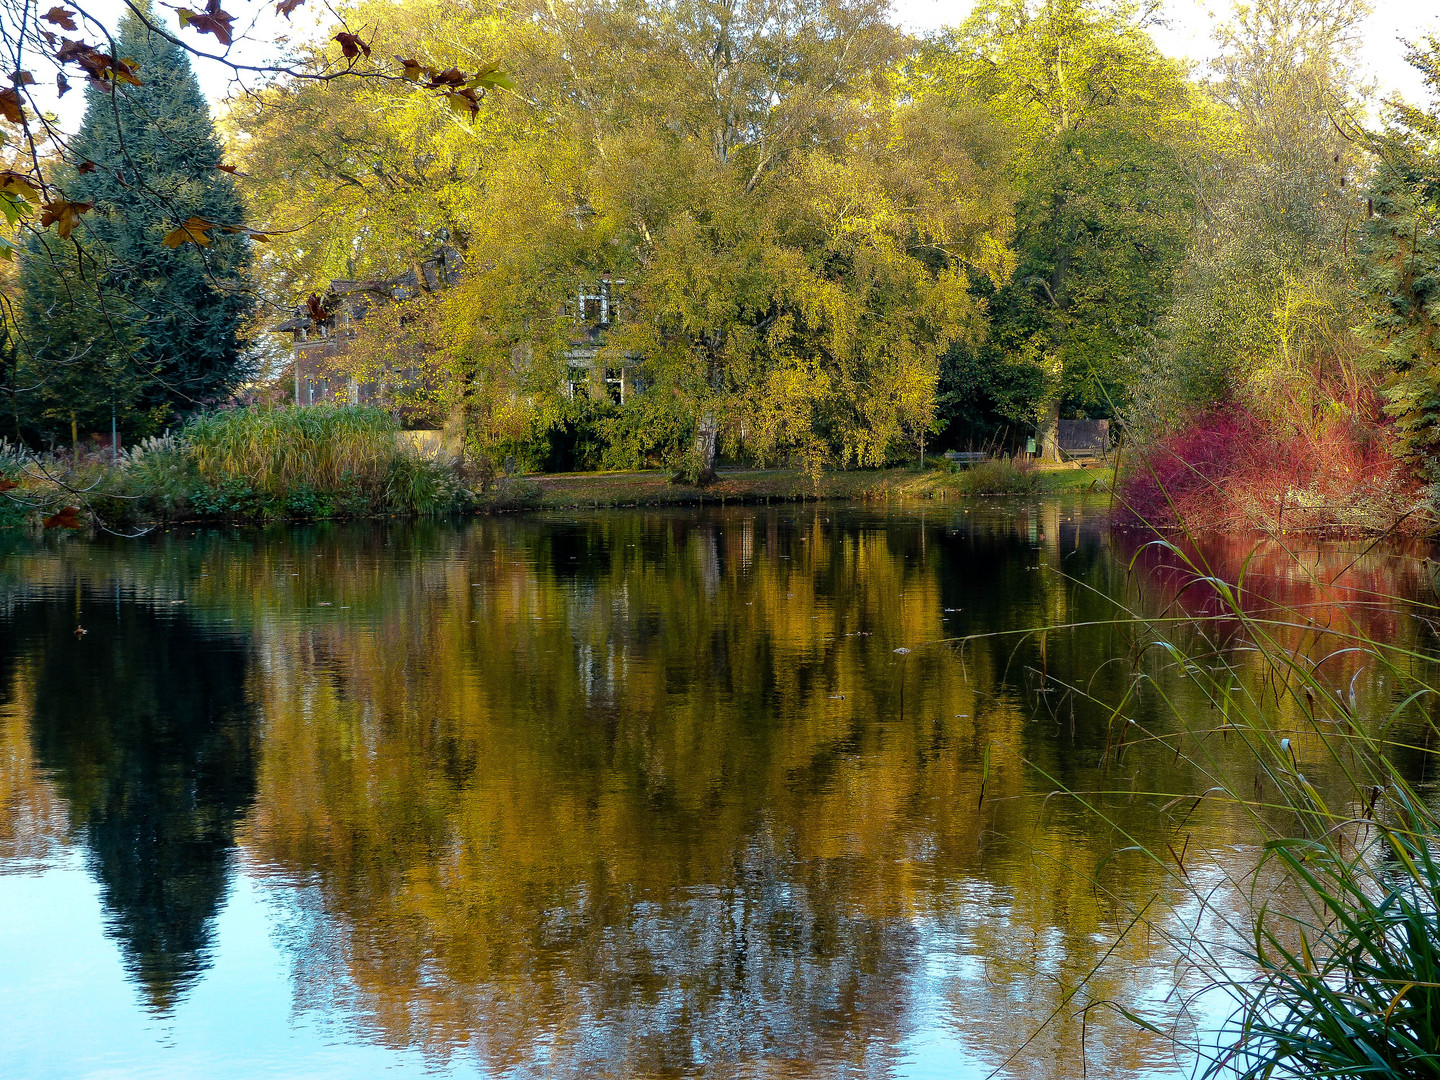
(1188, 35)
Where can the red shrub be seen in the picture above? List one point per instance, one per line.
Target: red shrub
(1229, 469)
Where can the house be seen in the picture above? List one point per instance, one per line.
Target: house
(595, 310)
(322, 327)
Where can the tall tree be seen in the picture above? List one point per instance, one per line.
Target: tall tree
(1403, 267)
(1266, 296)
(140, 306)
(1100, 124)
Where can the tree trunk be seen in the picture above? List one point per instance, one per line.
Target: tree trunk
(1048, 433)
(707, 435)
(75, 440)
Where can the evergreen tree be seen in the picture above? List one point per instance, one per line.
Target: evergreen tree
(1403, 268)
(115, 318)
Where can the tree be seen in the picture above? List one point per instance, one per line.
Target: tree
(1266, 296)
(1402, 271)
(141, 307)
(1100, 126)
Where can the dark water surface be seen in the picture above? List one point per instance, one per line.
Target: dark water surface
(621, 794)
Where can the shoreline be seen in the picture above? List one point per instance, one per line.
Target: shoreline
(575, 491)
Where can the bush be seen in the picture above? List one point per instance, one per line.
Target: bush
(317, 462)
(1228, 469)
(1000, 476)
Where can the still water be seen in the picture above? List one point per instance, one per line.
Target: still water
(625, 794)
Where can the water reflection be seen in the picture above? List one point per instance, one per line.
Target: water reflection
(141, 724)
(637, 794)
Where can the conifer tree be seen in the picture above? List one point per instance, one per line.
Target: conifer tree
(1402, 241)
(115, 317)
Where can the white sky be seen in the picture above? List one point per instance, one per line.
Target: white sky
(1188, 35)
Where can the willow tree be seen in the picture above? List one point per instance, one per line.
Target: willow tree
(794, 241)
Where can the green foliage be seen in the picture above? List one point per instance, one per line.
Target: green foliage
(1266, 298)
(1402, 271)
(113, 317)
(1101, 129)
(1360, 993)
(321, 461)
(999, 476)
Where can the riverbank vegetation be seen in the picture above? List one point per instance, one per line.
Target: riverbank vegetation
(688, 232)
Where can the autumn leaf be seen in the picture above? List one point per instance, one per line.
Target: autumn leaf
(67, 518)
(490, 77)
(22, 78)
(231, 169)
(315, 307)
(351, 45)
(285, 7)
(212, 21)
(62, 84)
(413, 70)
(193, 231)
(19, 184)
(85, 167)
(453, 77)
(63, 215)
(464, 101)
(99, 67)
(10, 107)
(61, 18)
(8, 485)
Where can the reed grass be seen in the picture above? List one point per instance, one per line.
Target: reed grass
(1341, 977)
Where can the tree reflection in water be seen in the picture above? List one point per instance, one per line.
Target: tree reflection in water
(641, 794)
(143, 728)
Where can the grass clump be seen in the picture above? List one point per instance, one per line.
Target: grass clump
(244, 464)
(999, 476)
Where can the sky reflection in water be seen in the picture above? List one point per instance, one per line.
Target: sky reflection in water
(628, 794)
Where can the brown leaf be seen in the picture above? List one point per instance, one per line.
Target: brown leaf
(413, 69)
(63, 215)
(62, 84)
(193, 232)
(85, 167)
(22, 78)
(315, 308)
(212, 21)
(61, 18)
(463, 101)
(10, 107)
(67, 518)
(285, 7)
(8, 485)
(351, 45)
(231, 169)
(454, 77)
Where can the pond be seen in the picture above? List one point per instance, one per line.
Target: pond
(745, 792)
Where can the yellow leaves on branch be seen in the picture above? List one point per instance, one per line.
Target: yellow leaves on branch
(196, 230)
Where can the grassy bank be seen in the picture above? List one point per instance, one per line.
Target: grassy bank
(577, 490)
(240, 465)
(335, 463)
